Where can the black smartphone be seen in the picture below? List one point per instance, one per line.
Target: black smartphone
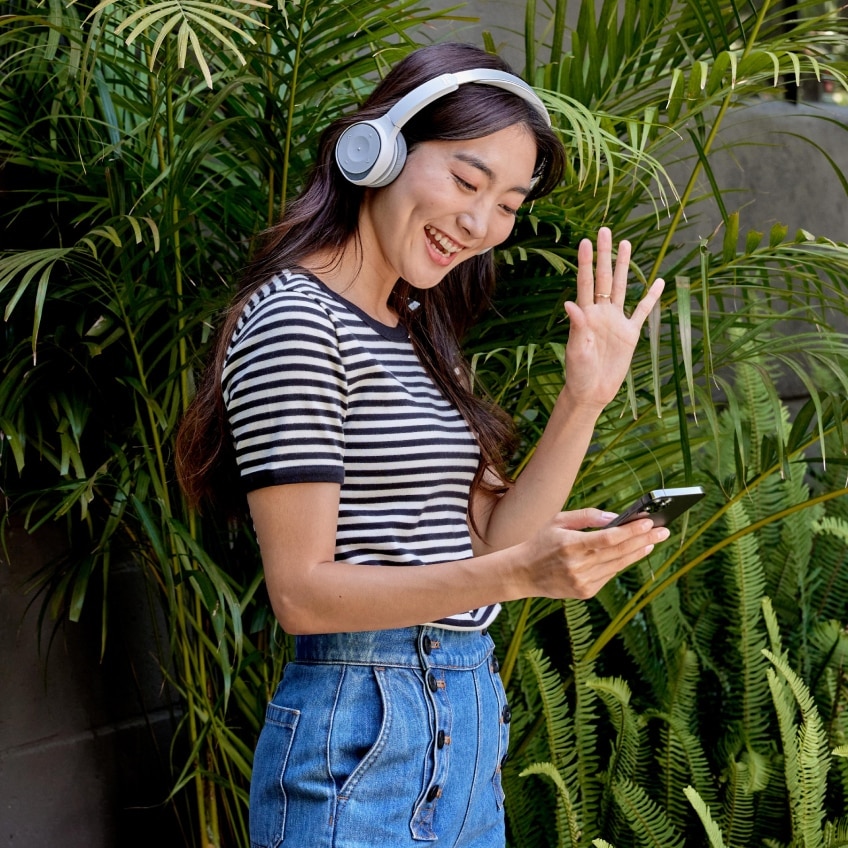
(661, 505)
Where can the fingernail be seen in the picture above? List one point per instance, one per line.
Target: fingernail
(608, 516)
(664, 533)
(648, 549)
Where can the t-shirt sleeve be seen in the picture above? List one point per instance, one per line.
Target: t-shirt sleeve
(285, 393)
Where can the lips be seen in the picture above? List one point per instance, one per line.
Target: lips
(442, 243)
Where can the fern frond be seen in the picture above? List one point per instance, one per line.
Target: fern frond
(558, 723)
(772, 627)
(830, 590)
(682, 759)
(627, 727)
(737, 813)
(646, 819)
(678, 749)
(747, 588)
(572, 829)
(836, 834)
(585, 715)
(561, 743)
(702, 809)
(806, 752)
(529, 812)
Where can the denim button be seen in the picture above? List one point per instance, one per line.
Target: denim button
(427, 645)
(440, 739)
(432, 685)
(496, 666)
(433, 793)
(506, 714)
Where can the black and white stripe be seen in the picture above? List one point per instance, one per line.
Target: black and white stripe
(318, 391)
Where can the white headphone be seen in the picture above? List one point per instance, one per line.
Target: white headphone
(372, 153)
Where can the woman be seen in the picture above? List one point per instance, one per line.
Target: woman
(339, 389)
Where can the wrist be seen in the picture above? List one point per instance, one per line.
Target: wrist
(519, 583)
(580, 404)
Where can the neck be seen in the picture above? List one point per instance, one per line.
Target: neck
(349, 274)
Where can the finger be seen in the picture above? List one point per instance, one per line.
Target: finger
(626, 539)
(585, 275)
(603, 268)
(583, 519)
(607, 547)
(647, 303)
(619, 278)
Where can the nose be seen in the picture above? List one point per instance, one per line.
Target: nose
(474, 222)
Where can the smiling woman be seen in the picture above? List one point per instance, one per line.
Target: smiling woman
(388, 530)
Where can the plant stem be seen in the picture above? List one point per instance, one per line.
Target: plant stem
(690, 185)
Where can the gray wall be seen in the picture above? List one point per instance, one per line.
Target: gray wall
(83, 742)
(769, 170)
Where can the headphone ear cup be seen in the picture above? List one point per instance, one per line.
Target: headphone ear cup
(358, 150)
(395, 166)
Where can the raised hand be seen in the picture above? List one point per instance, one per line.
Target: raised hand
(602, 336)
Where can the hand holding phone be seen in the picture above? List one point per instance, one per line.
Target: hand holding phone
(660, 505)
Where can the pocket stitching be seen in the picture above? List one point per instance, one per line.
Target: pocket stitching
(286, 719)
(379, 743)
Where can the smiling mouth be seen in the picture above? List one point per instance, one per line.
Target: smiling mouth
(441, 242)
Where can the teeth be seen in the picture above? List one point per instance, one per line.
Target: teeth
(447, 245)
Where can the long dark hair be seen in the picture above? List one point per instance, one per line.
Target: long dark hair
(325, 216)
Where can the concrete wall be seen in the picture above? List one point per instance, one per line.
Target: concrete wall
(769, 169)
(83, 742)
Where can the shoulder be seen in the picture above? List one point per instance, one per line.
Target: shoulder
(288, 323)
(288, 301)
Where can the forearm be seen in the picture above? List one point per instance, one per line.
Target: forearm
(545, 483)
(330, 597)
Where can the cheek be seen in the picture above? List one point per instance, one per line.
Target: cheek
(500, 229)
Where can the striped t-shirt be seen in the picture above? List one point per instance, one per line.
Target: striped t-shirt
(318, 391)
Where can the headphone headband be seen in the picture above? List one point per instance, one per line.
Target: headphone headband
(423, 95)
(372, 153)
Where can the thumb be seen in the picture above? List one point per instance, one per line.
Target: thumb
(583, 519)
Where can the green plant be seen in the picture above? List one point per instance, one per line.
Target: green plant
(671, 654)
(683, 729)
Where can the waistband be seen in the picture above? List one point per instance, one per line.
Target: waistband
(411, 647)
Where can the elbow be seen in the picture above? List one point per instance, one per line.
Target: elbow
(297, 619)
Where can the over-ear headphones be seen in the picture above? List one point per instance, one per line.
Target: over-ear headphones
(372, 153)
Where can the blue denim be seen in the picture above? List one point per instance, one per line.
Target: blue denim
(384, 738)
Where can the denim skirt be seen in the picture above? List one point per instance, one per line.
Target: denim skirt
(383, 738)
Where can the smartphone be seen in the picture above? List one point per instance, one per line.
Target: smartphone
(661, 505)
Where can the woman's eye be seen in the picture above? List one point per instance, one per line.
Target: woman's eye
(463, 183)
(509, 210)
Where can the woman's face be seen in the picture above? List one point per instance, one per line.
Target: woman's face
(451, 201)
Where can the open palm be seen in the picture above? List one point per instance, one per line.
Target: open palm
(602, 337)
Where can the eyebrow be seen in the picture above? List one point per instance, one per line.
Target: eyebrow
(480, 165)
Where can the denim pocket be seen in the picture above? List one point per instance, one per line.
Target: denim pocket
(267, 795)
(358, 725)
